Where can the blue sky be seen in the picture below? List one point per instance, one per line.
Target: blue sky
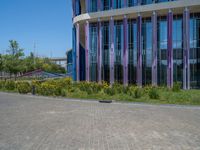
(48, 23)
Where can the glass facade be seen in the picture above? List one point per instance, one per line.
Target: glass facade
(106, 4)
(195, 50)
(146, 51)
(77, 9)
(132, 3)
(118, 4)
(132, 51)
(118, 46)
(162, 51)
(145, 2)
(116, 57)
(93, 6)
(105, 53)
(178, 49)
(93, 51)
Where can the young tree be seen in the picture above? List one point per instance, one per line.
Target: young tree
(14, 58)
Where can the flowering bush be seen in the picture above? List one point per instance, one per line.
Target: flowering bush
(23, 87)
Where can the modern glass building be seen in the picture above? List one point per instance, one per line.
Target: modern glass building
(139, 42)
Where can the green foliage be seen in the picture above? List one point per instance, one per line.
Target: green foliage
(1, 62)
(154, 93)
(14, 62)
(85, 90)
(138, 92)
(2, 84)
(23, 87)
(176, 87)
(110, 91)
(118, 88)
(90, 87)
(55, 87)
(10, 85)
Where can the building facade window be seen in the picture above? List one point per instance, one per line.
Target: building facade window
(118, 44)
(77, 10)
(145, 2)
(118, 4)
(93, 6)
(162, 51)
(132, 3)
(178, 48)
(105, 53)
(106, 4)
(132, 51)
(195, 50)
(93, 51)
(146, 51)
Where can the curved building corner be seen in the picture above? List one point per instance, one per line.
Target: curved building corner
(142, 42)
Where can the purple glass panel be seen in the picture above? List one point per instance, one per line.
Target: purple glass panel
(186, 48)
(99, 5)
(111, 51)
(139, 2)
(170, 50)
(99, 51)
(77, 53)
(125, 3)
(154, 63)
(87, 50)
(87, 5)
(112, 4)
(139, 50)
(125, 53)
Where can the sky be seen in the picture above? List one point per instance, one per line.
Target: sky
(47, 23)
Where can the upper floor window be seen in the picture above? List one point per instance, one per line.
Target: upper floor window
(106, 4)
(118, 4)
(93, 6)
(77, 8)
(144, 2)
(132, 3)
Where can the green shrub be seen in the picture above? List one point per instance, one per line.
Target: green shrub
(48, 89)
(37, 85)
(10, 85)
(2, 84)
(64, 82)
(64, 92)
(110, 91)
(23, 87)
(147, 89)
(119, 88)
(131, 90)
(153, 93)
(90, 87)
(176, 87)
(138, 92)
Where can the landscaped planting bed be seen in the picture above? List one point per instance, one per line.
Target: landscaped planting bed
(89, 90)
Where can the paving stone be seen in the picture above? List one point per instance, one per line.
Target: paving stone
(40, 123)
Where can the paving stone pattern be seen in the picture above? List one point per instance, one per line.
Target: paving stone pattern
(39, 123)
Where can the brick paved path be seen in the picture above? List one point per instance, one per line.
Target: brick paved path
(38, 123)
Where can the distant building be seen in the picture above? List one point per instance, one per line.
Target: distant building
(137, 41)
